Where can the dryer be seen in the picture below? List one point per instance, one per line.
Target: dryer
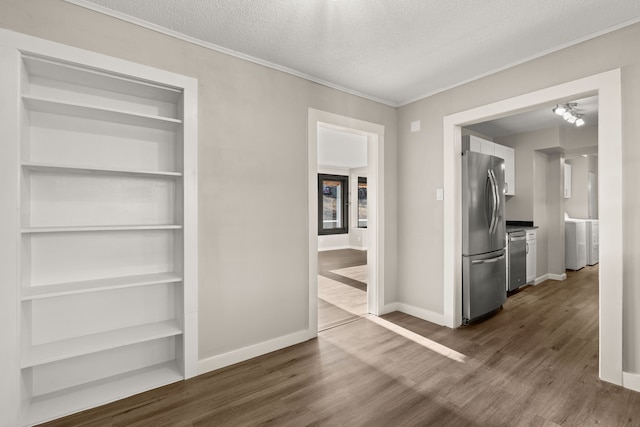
(575, 244)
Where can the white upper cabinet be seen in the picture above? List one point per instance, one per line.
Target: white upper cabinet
(479, 145)
(483, 146)
(567, 181)
(509, 156)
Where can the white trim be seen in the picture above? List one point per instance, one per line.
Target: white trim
(390, 308)
(631, 381)
(15, 42)
(334, 248)
(549, 276)
(11, 400)
(337, 248)
(608, 88)
(375, 183)
(217, 48)
(105, 62)
(420, 313)
(240, 355)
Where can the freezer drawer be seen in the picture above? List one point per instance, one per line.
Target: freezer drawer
(483, 284)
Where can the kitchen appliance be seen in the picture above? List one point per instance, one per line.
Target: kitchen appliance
(483, 235)
(575, 244)
(592, 232)
(516, 257)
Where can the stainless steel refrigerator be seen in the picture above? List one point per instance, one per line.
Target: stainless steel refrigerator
(483, 235)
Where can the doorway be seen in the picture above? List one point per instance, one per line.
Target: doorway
(342, 226)
(607, 87)
(342, 287)
(374, 134)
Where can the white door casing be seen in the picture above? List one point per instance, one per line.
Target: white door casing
(607, 86)
(375, 212)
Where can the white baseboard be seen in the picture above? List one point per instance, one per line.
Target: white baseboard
(631, 381)
(549, 276)
(414, 311)
(337, 248)
(333, 248)
(389, 308)
(240, 355)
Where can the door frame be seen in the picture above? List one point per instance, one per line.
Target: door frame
(375, 203)
(607, 86)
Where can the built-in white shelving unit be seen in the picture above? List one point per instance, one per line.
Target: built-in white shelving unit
(42, 167)
(105, 241)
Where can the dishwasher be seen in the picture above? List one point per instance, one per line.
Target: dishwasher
(517, 254)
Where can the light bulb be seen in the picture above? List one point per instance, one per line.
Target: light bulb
(567, 115)
(559, 110)
(579, 122)
(572, 119)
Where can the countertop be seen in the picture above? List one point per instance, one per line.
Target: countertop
(513, 226)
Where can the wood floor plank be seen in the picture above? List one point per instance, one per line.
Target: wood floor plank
(535, 363)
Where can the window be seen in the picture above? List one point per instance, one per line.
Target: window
(362, 202)
(333, 194)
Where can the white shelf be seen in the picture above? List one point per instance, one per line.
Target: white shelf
(73, 347)
(73, 74)
(84, 228)
(53, 106)
(97, 285)
(53, 168)
(106, 190)
(53, 405)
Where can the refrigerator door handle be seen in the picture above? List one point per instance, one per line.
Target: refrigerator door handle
(496, 201)
(487, 261)
(496, 192)
(489, 201)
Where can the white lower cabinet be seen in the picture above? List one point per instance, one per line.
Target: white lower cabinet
(106, 194)
(531, 256)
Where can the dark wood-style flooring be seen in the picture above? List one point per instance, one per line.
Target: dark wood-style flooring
(533, 364)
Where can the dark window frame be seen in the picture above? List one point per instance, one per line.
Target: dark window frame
(362, 180)
(344, 180)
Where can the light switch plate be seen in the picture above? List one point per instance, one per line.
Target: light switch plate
(440, 194)
(415, 126)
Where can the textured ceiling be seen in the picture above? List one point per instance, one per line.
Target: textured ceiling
(393, 51)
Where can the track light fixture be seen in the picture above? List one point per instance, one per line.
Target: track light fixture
(568, 112)
(559, 110)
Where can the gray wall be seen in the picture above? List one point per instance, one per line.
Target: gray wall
(253, 221)
(577, 206)
(578, 141)
(252, 138)
(520, 206)
(420, 249)
(555, 216)
(538, 181)
(540, 213)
